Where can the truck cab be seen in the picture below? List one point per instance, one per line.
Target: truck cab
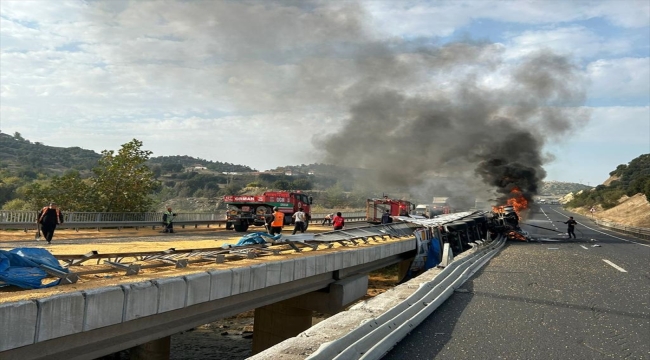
(423, 210)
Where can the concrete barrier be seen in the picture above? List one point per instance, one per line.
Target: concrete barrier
(18, 325)
(171, 293)
(60, 315)
(103, 307)
(198, 288)
(141, 300)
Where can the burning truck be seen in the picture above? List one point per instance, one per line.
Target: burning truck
(505, 218)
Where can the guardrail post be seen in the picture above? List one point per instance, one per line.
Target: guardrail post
(447, 255)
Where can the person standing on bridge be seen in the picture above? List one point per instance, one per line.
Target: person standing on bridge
(385, 218)
(277, 221)
(168, 220)
(49, 217)
(299, 217)
(571, 227)
(338, 221)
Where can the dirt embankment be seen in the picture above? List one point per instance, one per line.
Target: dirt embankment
(631, 211)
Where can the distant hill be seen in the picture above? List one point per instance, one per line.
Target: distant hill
(185, 177)
(559, 188)
(19, 154)
(181, 162)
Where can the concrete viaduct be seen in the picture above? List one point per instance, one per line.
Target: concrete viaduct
(92, 323)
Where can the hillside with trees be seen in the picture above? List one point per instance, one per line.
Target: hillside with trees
(631, 179)
(27, 159)
(560, 188)
(624, 198)
(82, 180)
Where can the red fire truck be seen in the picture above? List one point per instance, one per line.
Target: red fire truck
(375, 208)
(246, 210)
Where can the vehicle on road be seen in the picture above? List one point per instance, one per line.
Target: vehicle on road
(430, 211)
(246, 210)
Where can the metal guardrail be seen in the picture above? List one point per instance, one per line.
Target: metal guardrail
(643, 233)
(26, 220)
(373, 338)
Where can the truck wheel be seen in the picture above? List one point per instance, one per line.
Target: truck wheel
(287, 219)
(228, 226)
(241, 227)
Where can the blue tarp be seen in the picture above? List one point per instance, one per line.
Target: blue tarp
(21, 267)
(256, 238)
(433, 258)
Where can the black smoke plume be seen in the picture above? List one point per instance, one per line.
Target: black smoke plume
(484, 127)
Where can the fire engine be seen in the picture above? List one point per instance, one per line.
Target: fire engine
(375, 208)
(246, 210)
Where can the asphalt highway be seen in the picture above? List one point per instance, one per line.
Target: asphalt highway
(548, 299)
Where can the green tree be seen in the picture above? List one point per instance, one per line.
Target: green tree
(335, 197)
(72, 193)
(281, 185)
(17, 205)
(122, 181)
(18, 136)
(35, 194)
(302, 184)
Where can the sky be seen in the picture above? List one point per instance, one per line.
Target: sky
(356, 83)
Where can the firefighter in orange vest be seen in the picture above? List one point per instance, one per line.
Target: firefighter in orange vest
(277, 221)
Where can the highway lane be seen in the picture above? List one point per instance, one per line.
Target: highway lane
(546, 300)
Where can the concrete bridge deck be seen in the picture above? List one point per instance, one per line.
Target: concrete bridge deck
(87, 322)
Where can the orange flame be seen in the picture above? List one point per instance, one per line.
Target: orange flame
(517, 201)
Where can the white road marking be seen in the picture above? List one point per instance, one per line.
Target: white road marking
(604, 233)
(615, 266)
(584, 247)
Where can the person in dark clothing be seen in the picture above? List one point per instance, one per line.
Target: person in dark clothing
(49, 217)
(571, 227)
(385, 218)
(168, 220)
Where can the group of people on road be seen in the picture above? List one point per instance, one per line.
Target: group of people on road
(50, 216)
(300, 219)
(335, 220)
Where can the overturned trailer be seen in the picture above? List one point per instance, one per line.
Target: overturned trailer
(459, 231)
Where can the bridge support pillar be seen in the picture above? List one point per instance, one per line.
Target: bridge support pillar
(153, 350)
(277, 322)
(404, 267)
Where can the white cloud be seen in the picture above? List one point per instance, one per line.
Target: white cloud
(615, 135)
(220, 80)
(442, 18)
(617, 125)
(620, 79)
(574, 41)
